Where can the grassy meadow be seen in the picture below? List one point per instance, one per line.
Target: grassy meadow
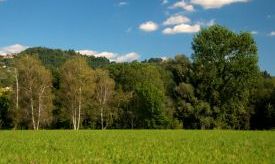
(137, 146)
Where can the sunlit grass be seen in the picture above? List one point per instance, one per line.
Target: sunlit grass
(137, 146)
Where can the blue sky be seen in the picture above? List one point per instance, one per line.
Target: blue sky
(125, 30)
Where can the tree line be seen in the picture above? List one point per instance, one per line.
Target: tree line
(219, 87)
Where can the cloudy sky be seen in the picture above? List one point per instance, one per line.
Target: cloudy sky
(126, 30)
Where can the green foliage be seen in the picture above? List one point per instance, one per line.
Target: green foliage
(225, 71)
(54, 58)
(181, 68)
(219, 87)
(6, 75)
(262, 103)
(145, 82)
(194, 114)
(5, 118)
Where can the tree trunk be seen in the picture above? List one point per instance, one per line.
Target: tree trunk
(39, 112)
(103, 103)
(17, 99)
(79, 108)
(32, 110)
(101, 116)
(40, 103)
(74, 119)
(17, 89)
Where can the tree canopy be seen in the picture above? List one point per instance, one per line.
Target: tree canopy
(219, 86)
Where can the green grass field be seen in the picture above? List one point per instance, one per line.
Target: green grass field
(137, 146)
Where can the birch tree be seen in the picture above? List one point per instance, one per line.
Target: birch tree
(103, 94)
(76, 88)
(34, 90)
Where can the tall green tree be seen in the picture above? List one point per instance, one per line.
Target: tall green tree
(225, 66)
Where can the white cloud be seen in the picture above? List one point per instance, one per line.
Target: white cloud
(164, 58)
(2, 0)
(129, 57)
(272, 33)
(176, 19)
(211, 4)
(87, 52)
(12, 49)
(164, 2)
(108, 55)
(254, 32)
(182, 28)
(183, 5)
(122, 4)
(149, 26)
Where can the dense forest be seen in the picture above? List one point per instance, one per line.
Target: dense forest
(219, 87)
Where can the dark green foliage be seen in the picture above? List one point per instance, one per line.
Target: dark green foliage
(54, 58)
(146, 85)
(153, 60)
(262, 103)
(194, 113)
(225, 71)
(51, 58)
(181, 68)
(5, 114)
